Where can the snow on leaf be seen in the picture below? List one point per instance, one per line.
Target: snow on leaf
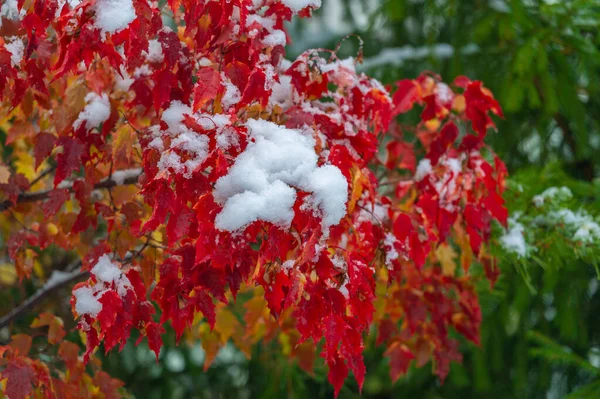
(262, 183)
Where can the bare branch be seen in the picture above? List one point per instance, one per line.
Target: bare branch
(118, 178)
(57, 280)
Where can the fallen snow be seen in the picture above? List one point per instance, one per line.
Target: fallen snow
(266, 22)
(15, 46)
(275, 38)
(120, 176)
(123, 81)
(347, 64)
(282, 92)
(391, 254)
(174, 115)
(232, 94)
(184, 139)
(61, 4)
(86, 301)
(344, 289)
(397, 56)
(444, 93)
(514, 240)
(108, 277)
(552, 193)
(588, 231)
(58, 277)
(423, 169)
(9, 10)
(581, 224)
(105, 270)
(95, 112)
(114, 15)
(263, 182)
(298, 5)
(155, 51)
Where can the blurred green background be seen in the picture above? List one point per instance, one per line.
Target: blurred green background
(541, 328)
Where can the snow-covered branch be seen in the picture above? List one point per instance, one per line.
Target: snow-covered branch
(397, 56)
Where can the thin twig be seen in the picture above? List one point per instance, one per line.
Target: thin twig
(41, 176)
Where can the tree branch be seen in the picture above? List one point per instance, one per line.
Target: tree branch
(57, 280)
(118, 178)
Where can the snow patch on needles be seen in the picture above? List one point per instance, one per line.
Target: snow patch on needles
(263, 182)
(582, 225)
(514, 240)
(108, 277)
(552, 193)
(114, 15)
(95, 112)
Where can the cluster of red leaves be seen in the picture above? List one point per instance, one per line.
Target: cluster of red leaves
(24, 374)
(107, 103)
(449, 203)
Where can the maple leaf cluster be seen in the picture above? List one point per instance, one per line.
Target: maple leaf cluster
(25, 376)
(188, 160)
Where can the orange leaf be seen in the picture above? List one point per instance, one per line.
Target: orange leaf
(56, 331)
(446, 255)
(21, 344)
(4, 174)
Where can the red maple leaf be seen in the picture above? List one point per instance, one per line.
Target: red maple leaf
(20, 377)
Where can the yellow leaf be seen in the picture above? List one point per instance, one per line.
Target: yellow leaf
(25, 164)
(286, 347)
(459, 103)
(446, 255)
(74, 102)
(210, 343)
(432, 125)
(5, 120)
(4, 174)
(358, 183)
(466, 254)
(32, 257)
(122, 146)
(8, 274)
(51, 229)
(256, 309)
(226, 323)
